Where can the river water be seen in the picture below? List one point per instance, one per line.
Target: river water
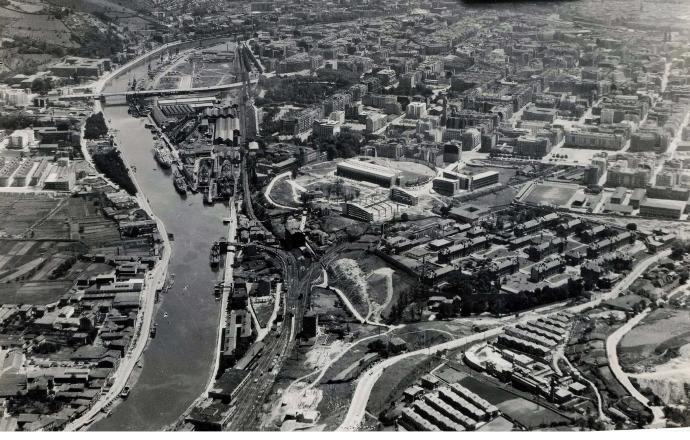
(177, 361)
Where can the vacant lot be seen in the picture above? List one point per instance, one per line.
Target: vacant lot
(655, 340)
(396, 379)
(282, 193)
(36, 292)
(19, 212)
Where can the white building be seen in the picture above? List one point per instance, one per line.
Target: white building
(375, 122)
(416, 110)
(20, 139)
(326, 128)
(337, 116)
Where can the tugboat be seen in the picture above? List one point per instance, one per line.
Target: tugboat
(215, 254)
(218, 290)
(180, 184)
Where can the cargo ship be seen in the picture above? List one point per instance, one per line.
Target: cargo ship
(180, 184)
(163, 157)
(215, 254)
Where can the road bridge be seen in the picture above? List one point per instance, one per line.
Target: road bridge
(159, 92)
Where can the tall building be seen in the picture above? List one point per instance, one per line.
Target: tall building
(532, 146)
(627, 177)
(325, 128)
(484, 179)
(594, 140)
(667, 178)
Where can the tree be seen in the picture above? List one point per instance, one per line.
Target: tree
(95, 126)
(404, 217)
(41, 85)
(631, 226)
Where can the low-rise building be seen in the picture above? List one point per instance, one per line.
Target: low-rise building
(658, 208)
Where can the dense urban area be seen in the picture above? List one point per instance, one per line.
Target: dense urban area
(381, 215)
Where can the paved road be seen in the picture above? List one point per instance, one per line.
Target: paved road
(357, 409)
(612, 354)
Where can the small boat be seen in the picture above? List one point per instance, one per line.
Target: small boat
(165, 314)
(125, 392)
(215, 254)
(154, 329)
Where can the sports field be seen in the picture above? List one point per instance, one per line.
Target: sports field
(408, 169)
(550, 193)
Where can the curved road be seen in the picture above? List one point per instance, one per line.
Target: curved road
(612, 354)
(358, 405)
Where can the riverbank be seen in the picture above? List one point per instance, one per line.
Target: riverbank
(155, 280)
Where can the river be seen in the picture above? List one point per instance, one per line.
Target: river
(177, 361)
